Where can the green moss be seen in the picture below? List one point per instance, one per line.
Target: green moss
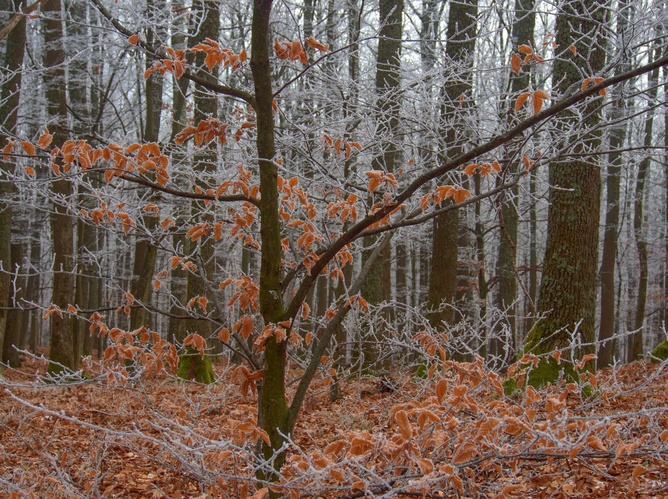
(194, 367)
(660, 352)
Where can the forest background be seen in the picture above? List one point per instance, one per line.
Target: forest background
(309, 193)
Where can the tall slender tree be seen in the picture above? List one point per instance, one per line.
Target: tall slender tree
(612, 182)
(62, 226)
(377, 287)
(456, 98)
(9, 106)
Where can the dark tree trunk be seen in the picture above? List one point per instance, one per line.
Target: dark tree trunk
(62, 225)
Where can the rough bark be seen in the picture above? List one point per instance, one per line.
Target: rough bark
(377, 287)
(273, 411)
(568, 286)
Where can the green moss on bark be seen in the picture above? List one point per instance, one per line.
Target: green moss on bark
(660, 351)
(194, 367)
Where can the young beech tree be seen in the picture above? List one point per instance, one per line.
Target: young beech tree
(304, 231)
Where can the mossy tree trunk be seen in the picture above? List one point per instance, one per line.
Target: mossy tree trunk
(273, 411)
(568, 287)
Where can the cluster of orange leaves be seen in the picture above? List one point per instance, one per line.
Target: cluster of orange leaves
(291, 189)
(344, 209)
(339, 145)
(176, 64)
(217, 55)
(98, 215)
(378, 178)
(142, 345)
(516, 60)
(537, 97)
(141, 158)
(458, 194)
(206, 131)
(295, 50)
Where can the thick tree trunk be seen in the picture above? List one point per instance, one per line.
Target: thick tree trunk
(568, 287)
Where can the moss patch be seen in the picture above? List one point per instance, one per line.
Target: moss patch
(194, 367)
(660, 351)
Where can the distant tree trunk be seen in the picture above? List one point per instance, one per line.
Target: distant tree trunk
(9, 102)
(461, 33)
(568, 288)
(206, 106)
(609, 257)
(506, 271)
(377, 287)
(178, 279)
(635, 346)
(145, 253)
(62, 226)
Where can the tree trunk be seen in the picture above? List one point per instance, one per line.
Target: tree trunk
(506, 270)
(273, 411)
(635, 346)
(62, 225)
(461, 32)
(609, 257)
(377, 287)
(568, 287)
(9, 102)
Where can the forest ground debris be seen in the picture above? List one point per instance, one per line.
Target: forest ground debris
(452, 434)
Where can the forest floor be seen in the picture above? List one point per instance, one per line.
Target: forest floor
(93, 438)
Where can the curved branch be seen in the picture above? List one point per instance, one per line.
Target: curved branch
(161, 54)
(497, 141)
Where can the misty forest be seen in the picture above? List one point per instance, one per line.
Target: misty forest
(333, 248)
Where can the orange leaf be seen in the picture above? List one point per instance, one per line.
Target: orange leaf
(224, 335)
(537, 103)
(374, 183)
(596, 443)
(404, 424)
(30, 170)
(133, 39)
(573, 49)
(312, 42)
(461, 194)
(521, 100)
(426, 466)
(516, 63)
(28, 148)
(525, 49)
(45, 140)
